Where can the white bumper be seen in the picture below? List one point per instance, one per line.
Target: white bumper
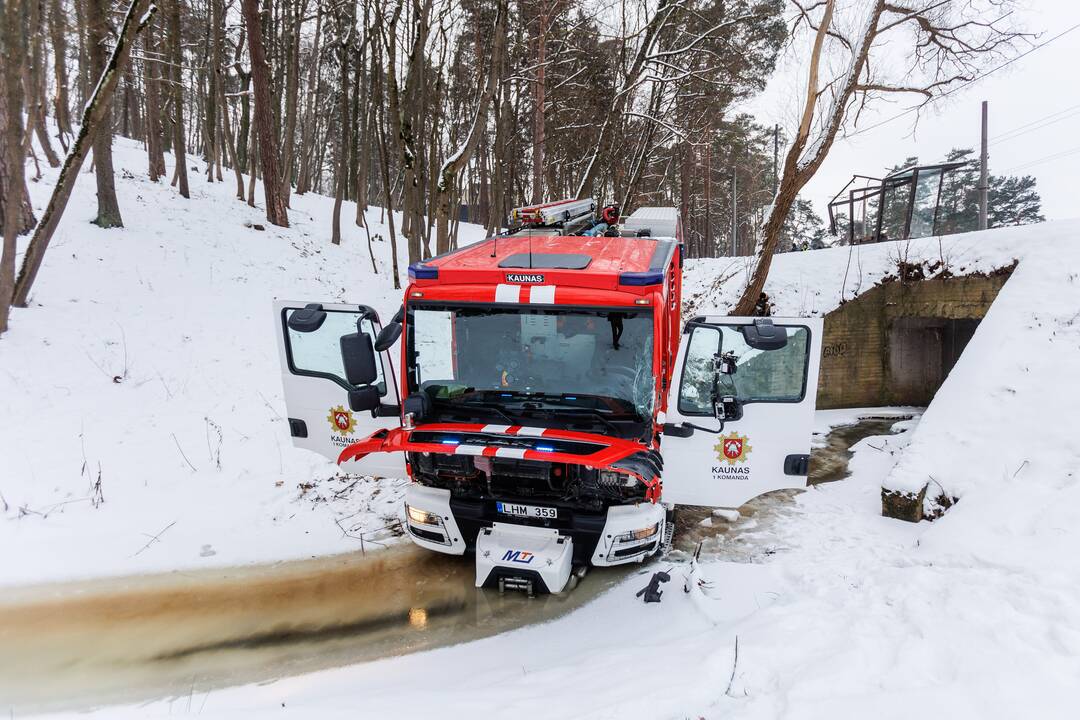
(618, 546)
(520, 556)
(443, 536)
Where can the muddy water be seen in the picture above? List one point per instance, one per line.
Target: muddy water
(79, 646)
(184, 634)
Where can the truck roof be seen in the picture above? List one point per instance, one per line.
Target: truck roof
(616, 263)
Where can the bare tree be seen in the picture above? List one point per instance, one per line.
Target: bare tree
(12, 182)
(58, 38)
(97, 27)
(154, 148)
(94, 115)
(276, 212)
(176, 56)
(451, 169)
(948, 43)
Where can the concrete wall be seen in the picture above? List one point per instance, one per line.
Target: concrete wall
(894, 344)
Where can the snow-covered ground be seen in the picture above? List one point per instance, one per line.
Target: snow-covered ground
(147, 360)
(840, 613)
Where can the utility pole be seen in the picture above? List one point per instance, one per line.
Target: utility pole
(984, 180)
(775, 156)
(734, 210)
(707, 248)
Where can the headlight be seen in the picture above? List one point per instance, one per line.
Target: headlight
(422, 517)
(642, 534)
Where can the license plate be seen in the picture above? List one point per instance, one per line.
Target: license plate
(532, 511)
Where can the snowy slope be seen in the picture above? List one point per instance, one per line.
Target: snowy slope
(148, 359)
(815, 282)
(1001, 434)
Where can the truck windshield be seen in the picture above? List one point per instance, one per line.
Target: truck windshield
(598, 360)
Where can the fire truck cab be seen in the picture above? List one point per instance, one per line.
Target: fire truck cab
(546, 399)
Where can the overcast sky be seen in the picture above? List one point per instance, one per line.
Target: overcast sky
(1038, 96)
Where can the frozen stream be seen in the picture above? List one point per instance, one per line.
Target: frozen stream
(86, 644)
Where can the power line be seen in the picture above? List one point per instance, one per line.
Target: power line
(1017, 130)
(957, 88)
(1041, 160)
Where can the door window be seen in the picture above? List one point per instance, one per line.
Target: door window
(766, 375)
(318, 353)
(696, 388)
(760, 376)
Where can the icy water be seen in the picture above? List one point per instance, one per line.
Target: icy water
(185, 634)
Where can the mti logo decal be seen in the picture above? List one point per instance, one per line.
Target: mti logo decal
(524, 277)
(519, 556)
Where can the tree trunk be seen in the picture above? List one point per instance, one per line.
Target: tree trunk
(539, 92)
(307, 132)
(177, 57)
(94, 117)
(451, 169)
(292, 89)
(58, 37)
(25, 211)
(230, 142)
(34, 81)
(97, 25)
(341, 172)
(151, 68)
(276, 212)
(213, 81)
(12, 155)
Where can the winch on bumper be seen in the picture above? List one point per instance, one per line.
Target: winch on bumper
(518, 557)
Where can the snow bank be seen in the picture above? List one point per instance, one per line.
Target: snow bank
(1001, 434)
(815, 282)
(147, 359)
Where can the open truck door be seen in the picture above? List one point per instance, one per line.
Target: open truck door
(741, 409)
(338, 387)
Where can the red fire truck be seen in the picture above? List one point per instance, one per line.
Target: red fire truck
(547, 400)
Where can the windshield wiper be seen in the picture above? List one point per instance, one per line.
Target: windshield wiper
(577, 409)
(493, 407)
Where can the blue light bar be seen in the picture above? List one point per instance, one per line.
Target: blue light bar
(545, 448)
(420, 271)
(451, 441)
(649, 277)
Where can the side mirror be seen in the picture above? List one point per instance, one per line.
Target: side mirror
(763, 335)
(358, 358)
(364, 398)
(727, 407)
(308, 319)
(387, 336)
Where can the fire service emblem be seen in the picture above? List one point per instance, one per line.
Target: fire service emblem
(733, 448)
(342, 420)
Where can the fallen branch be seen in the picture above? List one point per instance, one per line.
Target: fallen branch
(734, 666)
(155, 538)
(182, 453)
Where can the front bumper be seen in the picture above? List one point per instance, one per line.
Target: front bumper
(441, 536)
(597, 538)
